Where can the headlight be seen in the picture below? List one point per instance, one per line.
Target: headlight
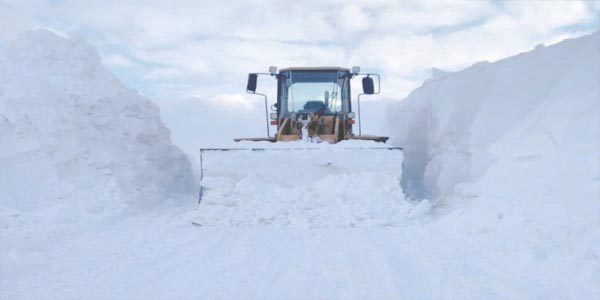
(350, 115)
(273, 116)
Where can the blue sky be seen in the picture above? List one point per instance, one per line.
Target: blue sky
(193, 56)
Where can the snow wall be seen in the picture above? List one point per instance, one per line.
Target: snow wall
(525, 127)
(74, 139)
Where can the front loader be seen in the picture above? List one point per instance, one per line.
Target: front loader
(314, 104)
(314, 140)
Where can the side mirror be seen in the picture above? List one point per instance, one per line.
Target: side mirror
(368, 85)
(252, 78)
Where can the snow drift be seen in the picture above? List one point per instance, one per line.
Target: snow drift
(528, 122)
(74, 139)
(509, 152)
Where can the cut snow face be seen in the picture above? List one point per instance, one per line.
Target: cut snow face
(74, 138)
(534, 111)
(510, 153)
(307, 185)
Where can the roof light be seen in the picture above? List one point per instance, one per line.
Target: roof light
(273, 70)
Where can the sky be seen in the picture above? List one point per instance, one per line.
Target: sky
(192, 57)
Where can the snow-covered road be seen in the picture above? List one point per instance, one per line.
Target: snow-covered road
(160, 255)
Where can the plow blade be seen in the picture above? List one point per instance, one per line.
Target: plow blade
(318, 186)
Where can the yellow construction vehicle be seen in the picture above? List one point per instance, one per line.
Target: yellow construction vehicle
(314, 104)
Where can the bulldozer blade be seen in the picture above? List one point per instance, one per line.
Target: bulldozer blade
(260, 139)
(380, 139)
(291, 167)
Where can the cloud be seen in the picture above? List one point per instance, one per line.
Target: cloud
(539, 17)
(178, 50)
(118, 60)
(422, 16)
(353, 18)
(236, 101)
(397, 37)
(163, 73)
(487, 33)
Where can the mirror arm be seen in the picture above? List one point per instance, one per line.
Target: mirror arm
(359, 122)
(266, 110)
(266, 102)
(358, 101)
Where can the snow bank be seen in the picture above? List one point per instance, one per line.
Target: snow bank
(528, 123)
(74, 139)
(509, 152)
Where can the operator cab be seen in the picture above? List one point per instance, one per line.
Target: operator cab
(314, 104)
(317, 99)
(322, 91)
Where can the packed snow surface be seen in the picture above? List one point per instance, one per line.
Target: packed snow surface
(506, 153)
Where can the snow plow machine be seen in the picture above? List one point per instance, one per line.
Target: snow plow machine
(314, 144)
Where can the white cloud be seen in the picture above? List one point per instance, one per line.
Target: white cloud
(117, 60)
(403, 55)
(353, 18)
(187, 58)
(236, 101)
(540, 17)
(163, 73)
(180, 49)
(420, 16)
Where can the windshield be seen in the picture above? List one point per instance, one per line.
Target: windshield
(322, 92)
